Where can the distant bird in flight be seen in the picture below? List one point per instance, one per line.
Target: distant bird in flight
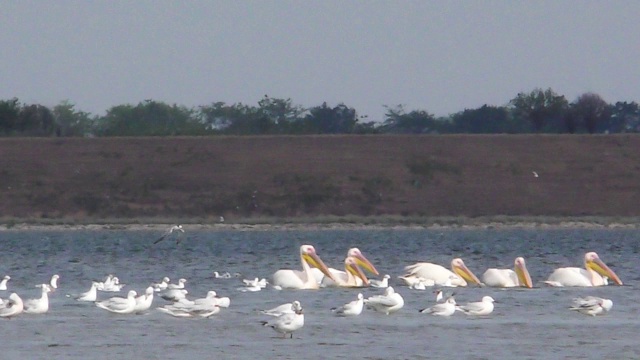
(169, 232)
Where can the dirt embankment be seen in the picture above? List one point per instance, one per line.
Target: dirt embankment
(315, 176)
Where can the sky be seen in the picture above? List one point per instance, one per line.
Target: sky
(438, 56)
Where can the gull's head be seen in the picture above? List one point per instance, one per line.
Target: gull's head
(487, 299)
(360, 296)
(211, 294)
(149, 290)
(132, 293)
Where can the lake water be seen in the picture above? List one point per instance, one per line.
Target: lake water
(526, 324)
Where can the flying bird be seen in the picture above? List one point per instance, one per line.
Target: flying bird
(169, 232)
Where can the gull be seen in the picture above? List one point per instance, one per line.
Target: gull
(169, 232)
(90, 295)
(250, 288)
(201, 310)
(53, 283)
(387, 303)
(446, 308)
(479, 308)
(211, 298)
(11, 307)
(353, 308)
(179, 285)
(262, 283)
(174, 294)
(591, 305)
(225, 275)
(39, 305)
(111, 283)
(535, 174)
(3, 283)
(380, 283)
(438, 295)
(119, 305)
(289, 322)
(143, 302)
(279, 310)
(161, 285)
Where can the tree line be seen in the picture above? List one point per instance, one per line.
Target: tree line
(538, 111)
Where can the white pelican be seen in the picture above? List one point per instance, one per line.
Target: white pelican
(479, 308)
(353, 308)
(294, 279)
(90, 295)
(39, 305)
(446, 308)
(349, 277)
(593, 274)
(508, 278)
(387, 303)
(3, 283)
(143, 302)
(591, 305)
(11, 307)
(120, 305)
(169, 232)
(289, 322)
(360, 259)
(162, 285)
(179, 285)
(380, 283)
(459, 274)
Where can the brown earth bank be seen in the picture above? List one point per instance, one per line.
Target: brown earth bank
(332, 179)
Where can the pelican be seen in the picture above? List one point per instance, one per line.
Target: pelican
(90, 295)
(591, 305)
(353, 308)
(349, 277)
(387, 303)
(459, 274)
(360, 259)
(39, 305)
(169, 232)
(295, 279)
(504, 278)
(381, 283)
(479, 308)
(11, 307)
(119, 305)
(446, 308)
(3, 283)
(593, 274)
(289, 322)
(143, 302)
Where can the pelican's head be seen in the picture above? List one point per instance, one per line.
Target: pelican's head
(460, 269)
(351, 265)
(308, 254)
(523, 274)
(362, 260)
(592, 261)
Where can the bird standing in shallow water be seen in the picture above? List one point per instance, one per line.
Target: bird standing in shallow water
(289, 322)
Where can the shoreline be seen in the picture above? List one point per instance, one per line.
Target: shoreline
(501, 222)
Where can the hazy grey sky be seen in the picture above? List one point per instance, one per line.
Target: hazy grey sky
(438, 56)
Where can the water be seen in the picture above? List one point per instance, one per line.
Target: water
(527, 323)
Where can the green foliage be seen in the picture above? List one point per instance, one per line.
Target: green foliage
(592, 110)
(484, 120)
(397, 121)
(72, 122)
(9, 113)
(540, 108)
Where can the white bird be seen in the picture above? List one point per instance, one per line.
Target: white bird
(479, 308)
(162, 285)
(211, 299)
(438, 295)
(353, 308)
(459, 275)
(262, 283)
(39, 305)
(380, 283)
(110, 284)
(352, 276)
(446, 308)
(201, 310)
(387, 303)
(120, 305)
(224, 275)
(535, 174)
(174, 294)
(12, 306)
(595, 273)
(144, 301)
(3, 283)
(90, 295)
(279, 310)
(169, 232)
(343, 276)
(179, 285)
(591, 305)
(504, 278)
(295, 279)
(53, 283)
(289, 322)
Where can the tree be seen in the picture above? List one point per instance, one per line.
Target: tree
(9, 113)
(625, 117)
(35, 120)
(72, 122)
(593, 110)
(280, 112)
(397, 121)
(324, 119)
(484, 120)
(540, 107)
